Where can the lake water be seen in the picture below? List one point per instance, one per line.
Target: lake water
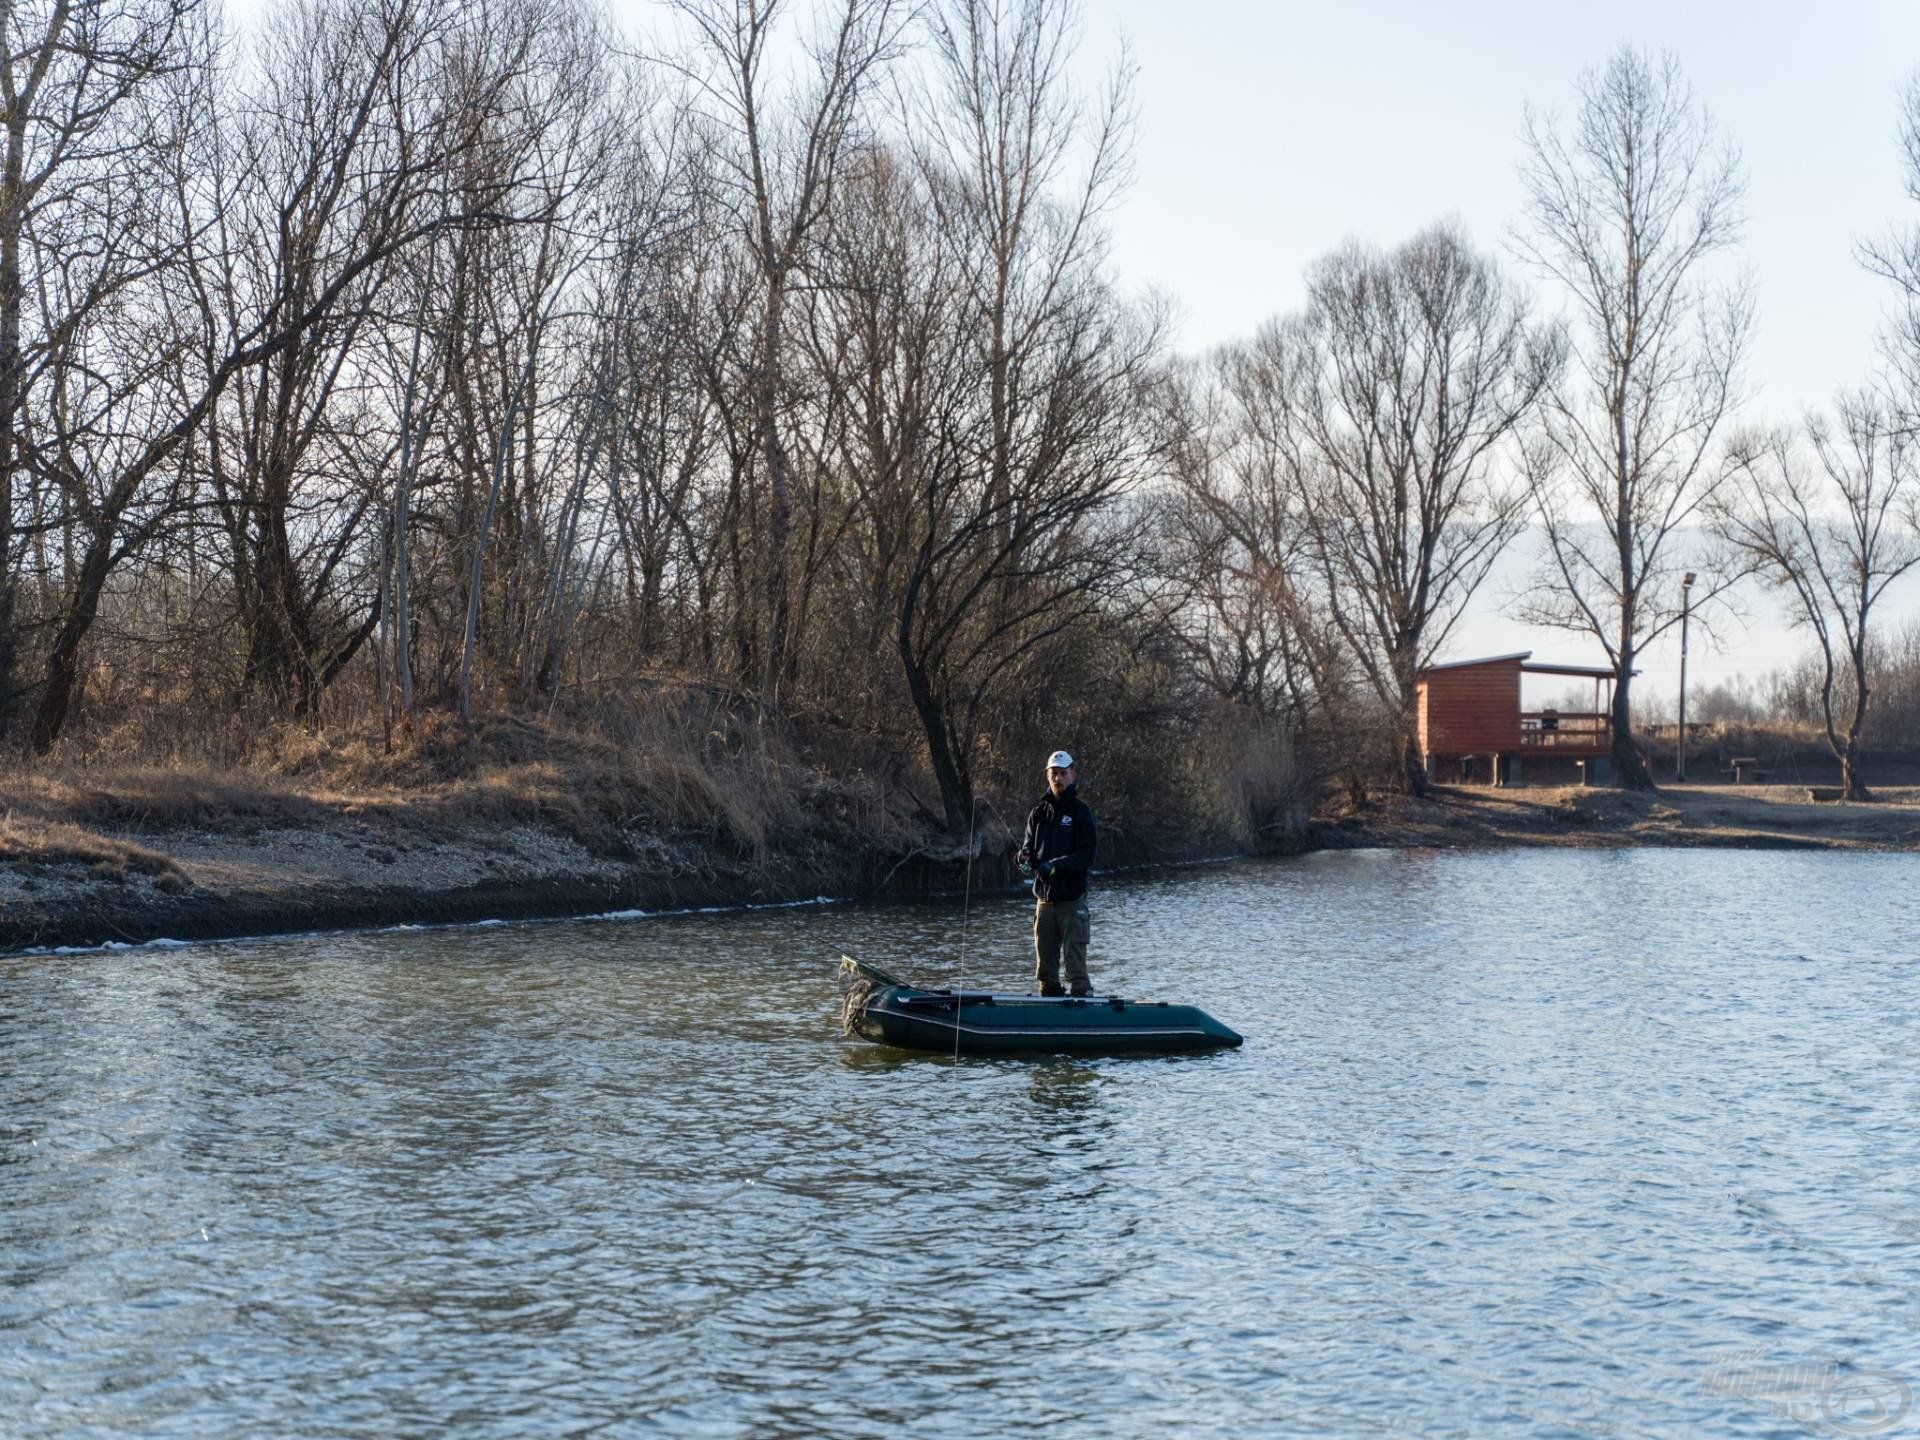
(1527, 1143)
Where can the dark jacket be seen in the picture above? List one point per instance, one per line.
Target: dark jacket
(1062, 831)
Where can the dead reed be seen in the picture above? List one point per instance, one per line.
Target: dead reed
(679, 759)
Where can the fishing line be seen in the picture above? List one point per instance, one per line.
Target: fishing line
(966, 914)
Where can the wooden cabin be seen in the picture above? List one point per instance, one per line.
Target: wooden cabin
(1472, 726)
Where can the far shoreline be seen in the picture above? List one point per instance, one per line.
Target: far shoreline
(355, 873)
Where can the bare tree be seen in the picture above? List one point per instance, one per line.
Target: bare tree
(711, 515)
(974, 583)
(94, 94)
(389, 122)
(1626, 210)
(640, 422)
(1896, 256)
(551, 154)
(416, 404)
(290, 476)
(1249, 602)
(785, 165)
(1420, 365)
(997, 136)
(1235, 542)
(1833, 537)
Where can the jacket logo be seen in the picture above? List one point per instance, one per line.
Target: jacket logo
(1066, 819)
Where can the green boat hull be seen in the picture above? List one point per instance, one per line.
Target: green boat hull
(989, 1024)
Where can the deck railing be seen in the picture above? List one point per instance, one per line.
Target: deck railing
(1565, 730)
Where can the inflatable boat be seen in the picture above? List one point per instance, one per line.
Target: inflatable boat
(887, 1010)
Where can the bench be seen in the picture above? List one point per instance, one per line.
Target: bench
(1746, 767)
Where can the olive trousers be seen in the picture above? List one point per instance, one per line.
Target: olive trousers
(1061, 927)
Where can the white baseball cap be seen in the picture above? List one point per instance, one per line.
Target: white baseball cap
(1059, 760)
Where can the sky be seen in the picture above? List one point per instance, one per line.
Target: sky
(1270, 133)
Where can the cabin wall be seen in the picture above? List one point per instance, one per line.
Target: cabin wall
(1471, 710)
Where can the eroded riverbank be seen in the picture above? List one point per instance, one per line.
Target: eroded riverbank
(335, 870)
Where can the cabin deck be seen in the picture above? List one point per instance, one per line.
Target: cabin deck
(1561, 732)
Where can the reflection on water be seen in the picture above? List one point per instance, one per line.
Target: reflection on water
(1071, 1091)
(1493, 1161)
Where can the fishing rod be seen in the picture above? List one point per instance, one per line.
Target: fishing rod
(966, 914)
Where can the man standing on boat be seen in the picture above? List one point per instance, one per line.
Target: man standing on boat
(1059, 848)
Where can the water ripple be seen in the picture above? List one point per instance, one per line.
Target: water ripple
(1490, 1165)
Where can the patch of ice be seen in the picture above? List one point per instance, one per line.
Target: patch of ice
(108, 947)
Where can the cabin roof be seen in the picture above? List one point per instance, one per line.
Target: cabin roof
(1591, 672)
(1485, 660)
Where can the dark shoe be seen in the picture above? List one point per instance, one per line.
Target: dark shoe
(1079, 990)
(1048, 987)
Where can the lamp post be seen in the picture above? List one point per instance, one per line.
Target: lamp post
(1686, 598)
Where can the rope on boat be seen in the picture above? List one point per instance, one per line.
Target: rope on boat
(859, 990)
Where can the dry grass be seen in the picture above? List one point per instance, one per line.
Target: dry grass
(30, 843)
(673, 758)
(151, 797)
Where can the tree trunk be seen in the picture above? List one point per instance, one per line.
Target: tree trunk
(402, 611)
(780, 513)
(1629, 770)
(1413, 767)
(399, 617)
(382, 681)
(955, 789)
(502, 458)
(1000, 477)
(1410, 762)
(1852, 787)
(12, 296)
(277, 659)
(322, 676)
(63, 662)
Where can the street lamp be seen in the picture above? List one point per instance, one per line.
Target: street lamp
(1686, 598)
